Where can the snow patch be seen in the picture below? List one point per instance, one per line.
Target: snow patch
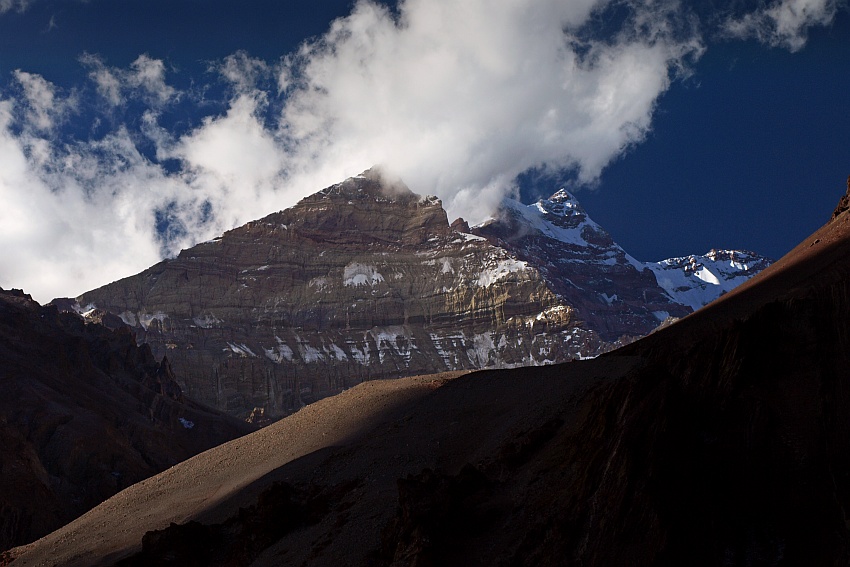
(444, 263)
(279, 353)
(451, 341)
(482, 351)
(696, 281)
(145, 319)
(357, 274)
(318, 283)
(186, 423)
(207, 321)
(128, 317)
(706, 276)
(533, 215)
(241, 349)
(503, 268)
(337, 352)
(465, 237)
(361, 355)
(310, 353)
(394, 339)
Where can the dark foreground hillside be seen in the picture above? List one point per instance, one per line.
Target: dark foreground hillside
(720, 440)
(84, 413)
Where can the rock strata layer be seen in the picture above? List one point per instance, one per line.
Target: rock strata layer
(367, 280)
(362, 280)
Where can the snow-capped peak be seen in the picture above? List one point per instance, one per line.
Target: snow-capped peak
(698, 280)
(569, 234)
(560, 217)
(562, 204)
(562, 196)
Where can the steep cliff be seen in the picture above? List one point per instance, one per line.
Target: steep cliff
(361, 280)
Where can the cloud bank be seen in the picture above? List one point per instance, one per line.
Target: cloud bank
(455, 98)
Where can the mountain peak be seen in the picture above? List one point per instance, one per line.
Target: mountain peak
(373, 206)
(560, 217)
(375, 184)
(561, 196)
(697, 280)
(563, 205)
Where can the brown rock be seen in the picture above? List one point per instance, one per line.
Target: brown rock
(460, 225)
(362, 280)
(366, 280)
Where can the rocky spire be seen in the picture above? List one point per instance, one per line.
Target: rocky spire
(843, 203)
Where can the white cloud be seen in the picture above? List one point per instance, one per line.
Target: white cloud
(235, 163)
(144, 79)
(459, 97)
(456, 98)
(784, 23)
(107, 83)
(148, 75)
(17, 5)
(59, 233)
(243, 71)
(77, 215)
(42, 107)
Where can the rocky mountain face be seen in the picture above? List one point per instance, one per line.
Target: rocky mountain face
(612, 292)
(616, 295)
(367, 280)
(359, 281)
(85, 412)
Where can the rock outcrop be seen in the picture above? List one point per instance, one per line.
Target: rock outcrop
(359, 281)
(843, 203)
(85, 412)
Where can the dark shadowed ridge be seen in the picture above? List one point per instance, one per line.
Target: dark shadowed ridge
(84, 413)
(720, 440)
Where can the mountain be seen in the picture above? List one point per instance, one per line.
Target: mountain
(613, 293)
(719, 440)
(616, 295)
(366, 280)
(85, 412)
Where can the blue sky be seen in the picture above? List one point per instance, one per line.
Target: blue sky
(132, 129)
